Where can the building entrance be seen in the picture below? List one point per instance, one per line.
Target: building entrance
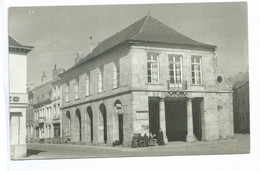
(196, 115)
(56, 128)
(78, 136)
(120, 125)
(154, 122)
(176, 119)
(103, 111)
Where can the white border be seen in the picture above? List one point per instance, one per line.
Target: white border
(219, 162)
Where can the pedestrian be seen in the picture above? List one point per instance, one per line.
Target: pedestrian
(146, 140)
(134, 140)
(160, 137)
(140, 140)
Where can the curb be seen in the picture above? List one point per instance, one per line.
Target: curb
(129, 149)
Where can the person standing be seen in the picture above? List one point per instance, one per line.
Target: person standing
(160, 137)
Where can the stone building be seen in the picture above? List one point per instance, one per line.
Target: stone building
(241, 104)
(146, 77)
(18, 97)
(56, 104)
(43, 112)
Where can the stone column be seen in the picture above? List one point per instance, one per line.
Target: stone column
(162, 119)
(190, 136)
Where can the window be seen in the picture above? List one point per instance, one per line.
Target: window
(47, 112)
(152, 67)
(100, 79)
(54, 92)
(58, 109)
(87, 84)
(43, 114)
(175, 68)
(116, 74)
(50, 112)
(76, 88)
(54, 109)
(67, 92)
(196, 69)
(58, 92)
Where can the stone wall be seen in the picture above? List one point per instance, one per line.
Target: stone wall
(139, 67)
(217, 116)
(98, 124)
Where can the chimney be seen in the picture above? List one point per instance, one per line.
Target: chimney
(80, 55)
(93, 44)
(44, 78)
(54, 72)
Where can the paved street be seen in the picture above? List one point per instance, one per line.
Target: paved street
(241, 145)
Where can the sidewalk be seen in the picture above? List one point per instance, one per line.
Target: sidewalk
(176, 144)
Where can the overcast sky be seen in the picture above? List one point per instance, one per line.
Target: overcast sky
(57, 33)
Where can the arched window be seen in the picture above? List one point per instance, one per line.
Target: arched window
(116, 74)
(100, 79)
(87, 84)
(67, 92)
(76, 88)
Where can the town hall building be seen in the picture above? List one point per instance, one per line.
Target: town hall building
(143, 78)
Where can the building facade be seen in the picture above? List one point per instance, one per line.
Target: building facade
(43, 112)
(18, 97)
(241, 105)
(146, 77)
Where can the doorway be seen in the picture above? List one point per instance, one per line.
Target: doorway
(176, 119)
(196, 115)
(103, 111)
(78, 135)
(90, 115)
(120, 126)
(154, 121)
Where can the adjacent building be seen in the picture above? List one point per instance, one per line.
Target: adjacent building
(241, 103)
(18, 97)
(146, 77)
(43, 112)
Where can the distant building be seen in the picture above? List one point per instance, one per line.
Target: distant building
(18, 96)
(146, 77)
(241, 103)
(43, 112)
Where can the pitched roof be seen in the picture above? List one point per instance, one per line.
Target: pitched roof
(14, 43)
(240, 79)
(146, 29)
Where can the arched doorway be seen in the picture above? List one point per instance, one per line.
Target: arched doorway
(103, 111)
(118, 106)
(90, 115)
(68, 126)
(78, 134)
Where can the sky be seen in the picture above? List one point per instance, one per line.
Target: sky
(57, 33)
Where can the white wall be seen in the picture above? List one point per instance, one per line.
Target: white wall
(17, 73)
